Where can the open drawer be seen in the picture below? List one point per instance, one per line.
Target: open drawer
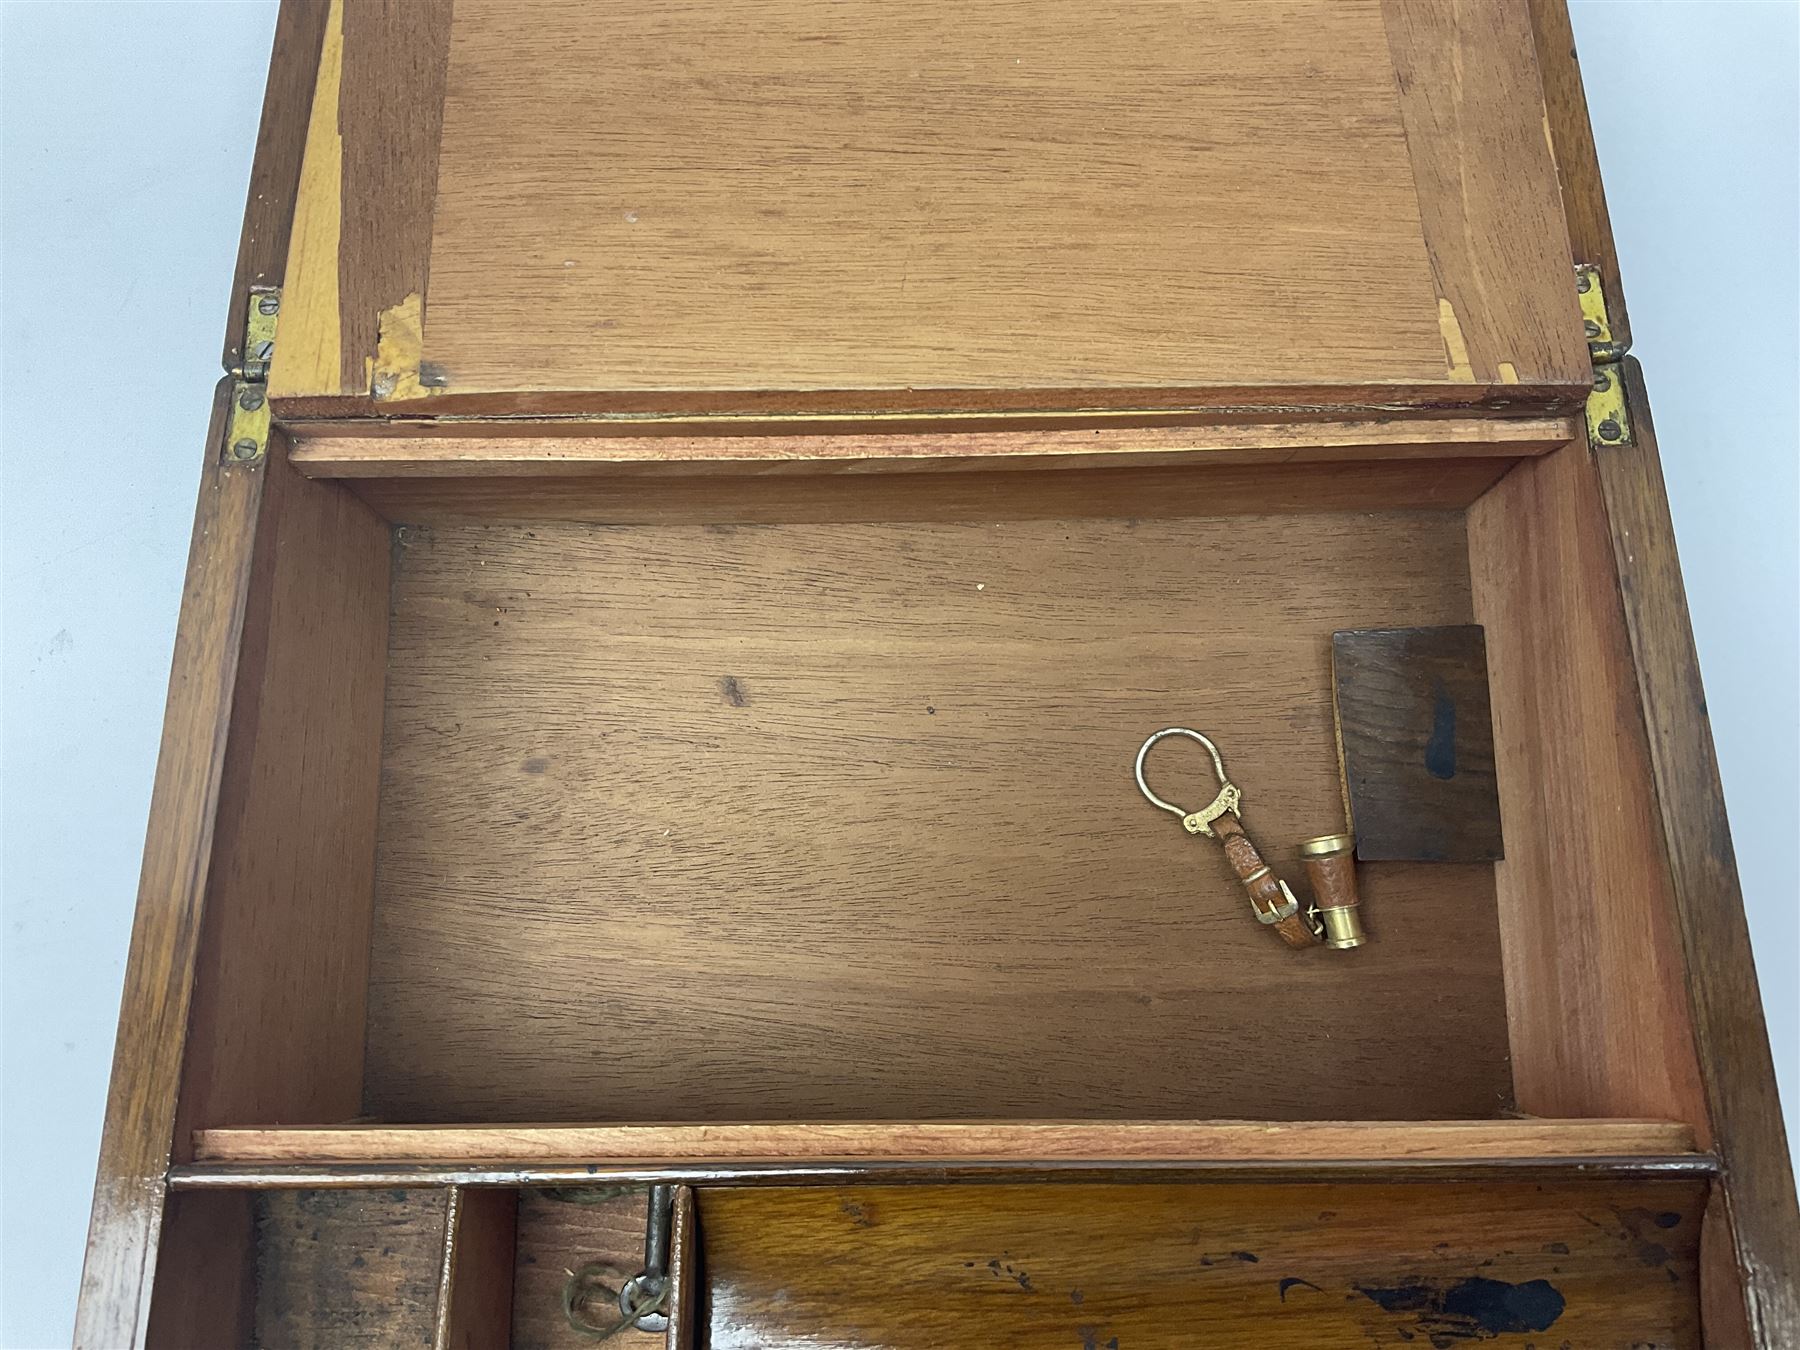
(709, 503)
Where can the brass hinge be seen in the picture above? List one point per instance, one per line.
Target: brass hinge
(1607, 420)
(247, 428)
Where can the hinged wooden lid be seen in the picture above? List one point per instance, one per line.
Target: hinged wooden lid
(778, 208)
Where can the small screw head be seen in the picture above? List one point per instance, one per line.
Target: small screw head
(1584, 282)
(244, 449)
(1610, 430)
(269, 304)
(1591, 328)
(250, 400)
(1602, 381)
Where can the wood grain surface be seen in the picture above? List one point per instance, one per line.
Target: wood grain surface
(392, 94)
(276, 1028)
(1600, 1020)
(1306, 1267)
(307, 354)
(602, 445)
(275, 168)
(204, 1293)
(1727, 1010)
(872, 785)
(137, 1136)
(1753, 1251)
(327, 451)
(475, 1274)
(562, 1231)
(1571, 138)
(139, 1130)
(788, 206)
(1417, 736)
(342, 1269)
(976, 497)
(1473, 108)
(1048, 1141)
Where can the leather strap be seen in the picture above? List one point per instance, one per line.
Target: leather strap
(1272, 905)
(1333, 878)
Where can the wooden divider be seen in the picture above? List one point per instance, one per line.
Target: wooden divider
(1125, 1141)
(449, 1267)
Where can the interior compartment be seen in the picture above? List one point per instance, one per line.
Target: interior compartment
(348, 1268)
(812, 821)
(1327, 1266)
(446, 1267)
(699, 799)
(1594, 1261)
(599, 1230)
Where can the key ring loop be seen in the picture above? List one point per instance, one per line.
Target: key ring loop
(1197, 822)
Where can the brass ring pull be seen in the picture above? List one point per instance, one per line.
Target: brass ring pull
(1195, 822)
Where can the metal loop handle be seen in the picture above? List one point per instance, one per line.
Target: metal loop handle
(636, 1300)
(1194, 822)
(1144, 751)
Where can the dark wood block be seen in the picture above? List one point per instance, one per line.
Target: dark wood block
(1416, 737)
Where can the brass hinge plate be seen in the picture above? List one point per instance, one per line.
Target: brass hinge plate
(247, 428)
(1607, 420)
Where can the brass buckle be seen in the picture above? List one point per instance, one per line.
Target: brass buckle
(1194, 822)
(1280, 912)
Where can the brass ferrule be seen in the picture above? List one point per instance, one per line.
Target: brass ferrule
(1327, 845)
(1343, 928)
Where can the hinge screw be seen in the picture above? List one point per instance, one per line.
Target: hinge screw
(271, 304)
(250, 400)
(1610, 430)
(246, 449)
(1601, 381)
(1591, 328)
(1584, 282)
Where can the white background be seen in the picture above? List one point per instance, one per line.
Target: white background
(127, 137)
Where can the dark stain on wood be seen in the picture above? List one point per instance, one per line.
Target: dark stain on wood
(1019, 1277)
(733, 690)
(863, 1216)
(1248, 1258)
(1649, 1248)
(1295, 1282)
(1440, 750)
(1474, 1309)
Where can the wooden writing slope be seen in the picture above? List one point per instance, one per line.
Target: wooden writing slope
(708, 499)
